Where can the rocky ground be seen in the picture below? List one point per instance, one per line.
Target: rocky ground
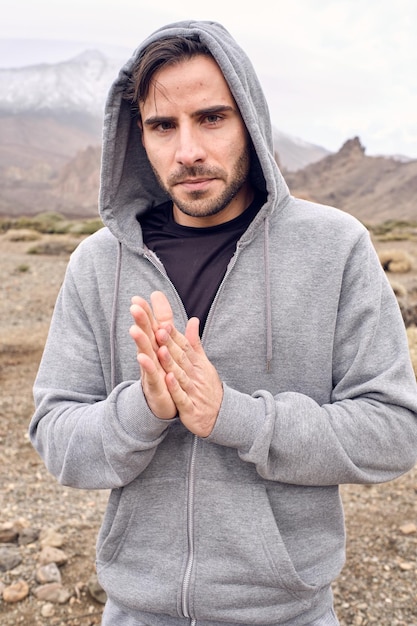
(47, 532)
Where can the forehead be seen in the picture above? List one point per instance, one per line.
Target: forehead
(196, 81)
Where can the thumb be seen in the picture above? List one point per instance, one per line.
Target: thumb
(192, 333)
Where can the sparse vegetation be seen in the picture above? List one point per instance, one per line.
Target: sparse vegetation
(85, 227)
(44, 227)
(374, 514)
(23, 234)
(54, 247)
(396, 261)
(51, 224)
(394, 230)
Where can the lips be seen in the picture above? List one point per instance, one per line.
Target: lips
(195, 183)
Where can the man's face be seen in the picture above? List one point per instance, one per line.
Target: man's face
(196, 142)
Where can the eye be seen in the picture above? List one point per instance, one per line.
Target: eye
(164, 126)
(213, 118)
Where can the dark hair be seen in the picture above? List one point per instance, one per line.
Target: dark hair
(159, 54)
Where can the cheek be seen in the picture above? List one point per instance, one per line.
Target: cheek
(237, 149)
(157, 159)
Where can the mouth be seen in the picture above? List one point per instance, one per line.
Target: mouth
(195, 184)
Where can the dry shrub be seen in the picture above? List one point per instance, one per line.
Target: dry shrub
(55, 246)
(397, 261)
(412, 342)
(398, 288)
(24, 234)
(86, 227)
(393, 229)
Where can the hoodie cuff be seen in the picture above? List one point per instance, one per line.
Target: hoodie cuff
(239, 420)
(135, 416)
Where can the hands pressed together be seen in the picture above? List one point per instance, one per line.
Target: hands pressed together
(177, 377)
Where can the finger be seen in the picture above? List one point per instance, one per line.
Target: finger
(181, 370)
(162, 309)
(148, 368)
(143, 342)
(155, 389)
(137, 300)
(192, 333)
(177, 345)
(180, 398)
(143, 317)
(181, 346)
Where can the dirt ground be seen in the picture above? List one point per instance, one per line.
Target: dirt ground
(377, 586)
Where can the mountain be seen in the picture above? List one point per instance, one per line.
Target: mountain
(373, 189)
(293, 153)
(51, 118)
(78, 86)
(50, 135)
(36, 99)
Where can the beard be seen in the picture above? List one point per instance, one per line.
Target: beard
(197, 204)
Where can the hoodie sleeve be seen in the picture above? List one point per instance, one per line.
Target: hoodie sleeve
(89, 438)
(367, 432)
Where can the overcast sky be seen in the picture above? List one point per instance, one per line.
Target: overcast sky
(331, 69)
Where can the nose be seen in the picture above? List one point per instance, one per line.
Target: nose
(190, 148)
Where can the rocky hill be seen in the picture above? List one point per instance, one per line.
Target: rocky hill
(374, 189)
(50, 135)
(293, 153)
(35, 153)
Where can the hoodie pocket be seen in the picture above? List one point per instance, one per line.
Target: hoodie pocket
(142, 547)
(242, 564)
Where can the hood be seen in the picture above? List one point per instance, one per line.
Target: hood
(128, 186)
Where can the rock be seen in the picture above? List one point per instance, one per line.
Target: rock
(16, 592)
(54, 593)
(48, 610)
(96, 591)
(50, 537)
(8, 533)
(10, 557)
(28, 535)
(52, 555)
(48, 573)
(408, 529)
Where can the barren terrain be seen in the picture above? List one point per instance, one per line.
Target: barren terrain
(378, 584)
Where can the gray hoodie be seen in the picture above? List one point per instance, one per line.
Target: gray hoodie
(244, 526)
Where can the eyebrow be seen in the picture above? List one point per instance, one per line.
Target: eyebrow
(217, 108)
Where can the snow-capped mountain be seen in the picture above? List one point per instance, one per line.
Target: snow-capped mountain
(79, 85)
(78, 88)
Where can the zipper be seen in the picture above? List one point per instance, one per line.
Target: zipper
(153, 259)
(230, 266)
(190, 532)
(148, 254)
(185, 589)
(191, 482)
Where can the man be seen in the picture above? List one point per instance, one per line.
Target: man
(273, 361)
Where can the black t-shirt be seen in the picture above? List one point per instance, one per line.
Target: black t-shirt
(195, 259)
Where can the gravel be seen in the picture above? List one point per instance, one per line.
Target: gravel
(378, 584)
